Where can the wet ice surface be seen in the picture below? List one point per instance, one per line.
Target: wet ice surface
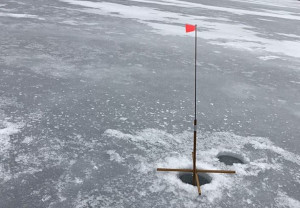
(94, 96)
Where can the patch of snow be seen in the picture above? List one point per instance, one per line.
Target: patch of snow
(5, 146)
(20, 15)
(114, 156)
(264, 13)
(289, 35)
(273, 3)
(266, 58)
(219, 31)
(295, 82)
(5, 133)
(69, 22)
(27, 140)
(285, 201)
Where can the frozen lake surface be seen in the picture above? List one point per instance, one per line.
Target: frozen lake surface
(95, 95)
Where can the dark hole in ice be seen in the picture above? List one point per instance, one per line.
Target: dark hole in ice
(230, 159)
(188, 178)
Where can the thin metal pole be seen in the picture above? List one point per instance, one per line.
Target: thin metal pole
(195, 71)
(195, 121)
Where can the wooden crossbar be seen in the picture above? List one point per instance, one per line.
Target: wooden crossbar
(198, 170)
(215, 171)
(172, 169)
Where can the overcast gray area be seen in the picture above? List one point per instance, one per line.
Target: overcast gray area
(95, 95)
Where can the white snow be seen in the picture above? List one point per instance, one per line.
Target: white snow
(284, 201)
(6, 145)
(31, 16)
(27, 140)
(165, 150)
(273, 3)
(266, 58)
(218, 31)
(264, 13)
(114, 156)
(5, 133)
(290, 35)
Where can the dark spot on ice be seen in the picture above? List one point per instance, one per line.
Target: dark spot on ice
(188, 178)
(230, 158)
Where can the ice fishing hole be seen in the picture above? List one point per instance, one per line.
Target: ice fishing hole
(188, 178)
(230, 158)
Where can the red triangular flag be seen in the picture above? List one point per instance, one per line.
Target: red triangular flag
(189, 28)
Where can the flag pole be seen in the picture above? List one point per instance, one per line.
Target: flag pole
(195, 69)
(195, 120)
(195, 171)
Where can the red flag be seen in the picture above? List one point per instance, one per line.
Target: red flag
(189, 28)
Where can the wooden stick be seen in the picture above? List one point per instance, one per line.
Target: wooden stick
(193, 181)
(215, 171)
(198, 184)
(198, 170)
(171, 169)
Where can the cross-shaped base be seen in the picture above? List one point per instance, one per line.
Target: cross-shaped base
(195, 173)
